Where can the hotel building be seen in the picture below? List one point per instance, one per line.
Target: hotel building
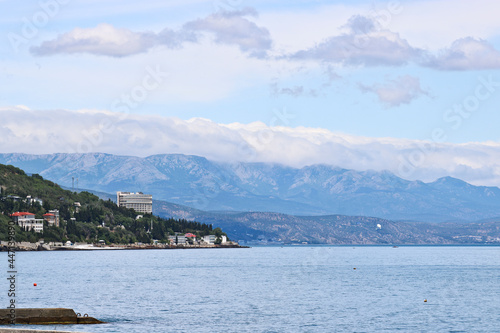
(139, 201)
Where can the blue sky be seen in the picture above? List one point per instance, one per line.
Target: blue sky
(403, 71)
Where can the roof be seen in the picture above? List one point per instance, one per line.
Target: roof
(48, 214)
(190, 235)
(22, 214)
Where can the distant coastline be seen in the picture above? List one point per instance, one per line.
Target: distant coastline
(26, 247)
(30, 247)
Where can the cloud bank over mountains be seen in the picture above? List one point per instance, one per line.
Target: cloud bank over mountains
(62, 131)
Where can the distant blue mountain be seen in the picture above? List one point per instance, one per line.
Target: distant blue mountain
(313, 190)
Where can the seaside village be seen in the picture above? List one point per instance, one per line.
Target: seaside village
(140, 202)
(27, 221)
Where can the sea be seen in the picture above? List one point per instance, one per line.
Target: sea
(267, 289)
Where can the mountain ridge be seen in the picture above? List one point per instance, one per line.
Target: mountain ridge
(273, 228)
(315, 190)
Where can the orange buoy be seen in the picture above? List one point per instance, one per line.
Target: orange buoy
(354, 268)
(34, 284)
(425, 300)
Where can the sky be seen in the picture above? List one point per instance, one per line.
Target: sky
(412, 87)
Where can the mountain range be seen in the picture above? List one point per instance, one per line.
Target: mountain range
(313, 190)
(265, 228)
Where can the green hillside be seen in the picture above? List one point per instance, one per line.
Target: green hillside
(95, 220)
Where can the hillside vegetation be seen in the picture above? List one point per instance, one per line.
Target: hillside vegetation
(95, 220)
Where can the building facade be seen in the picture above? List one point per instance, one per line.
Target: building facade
(27, 221)
(52, 217)
(139, 201)
(210, 239)
(177, 239)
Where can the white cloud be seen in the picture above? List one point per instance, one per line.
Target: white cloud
(363, 44)
(365, 40)
(466, 54)
(234, 29)
(38, 132)
(433, 24)
(425, 24)
(104, 39)
(229, 27)
(370, 39)
(402, 90)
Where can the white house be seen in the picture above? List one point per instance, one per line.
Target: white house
(27, 220)
(177, 239)
(210, 239)
(32, 200)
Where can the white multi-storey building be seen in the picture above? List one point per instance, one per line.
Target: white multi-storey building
(27, 220)
(139, 201)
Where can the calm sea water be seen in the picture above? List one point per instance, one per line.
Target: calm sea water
(268, 289)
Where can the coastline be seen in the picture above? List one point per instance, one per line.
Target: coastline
(25, 330)
(29, 247)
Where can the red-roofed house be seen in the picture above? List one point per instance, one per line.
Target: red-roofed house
(190, 238)
(27, 220)
(52, 217)
(22, 215)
